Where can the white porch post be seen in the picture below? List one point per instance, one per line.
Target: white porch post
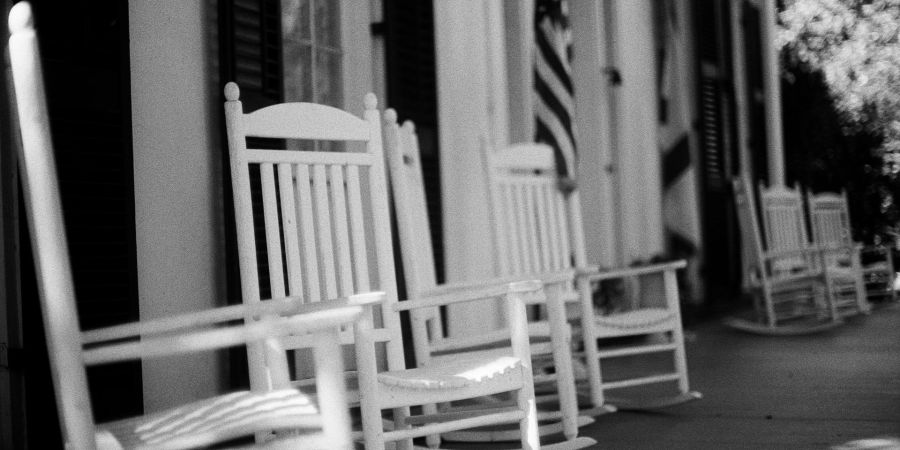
(636, 110)
(739, 67)
(774, 132)
(471, 73)
(594, 122)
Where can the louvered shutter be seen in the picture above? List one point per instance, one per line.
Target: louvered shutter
(718, 153)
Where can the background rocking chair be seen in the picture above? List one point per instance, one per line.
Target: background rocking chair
(323, 216)
(871, 267)
(198, 424)
(787, 279)
(538, 231)
(549, 341)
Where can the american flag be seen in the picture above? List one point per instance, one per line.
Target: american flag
(554, 103)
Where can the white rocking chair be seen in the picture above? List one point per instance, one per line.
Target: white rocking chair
(538, 231)
(873, 276)
(787, 279)
(192, 425)
(549, 341)
(325, 218)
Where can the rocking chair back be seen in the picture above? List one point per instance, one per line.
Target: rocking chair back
(787, 277)
(829, 216)
(327, 235)
(538, 230)
(189, 425)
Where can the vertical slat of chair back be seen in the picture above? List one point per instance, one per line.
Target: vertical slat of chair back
(829, 217)
(408, 188)
(318, 244)
(751, 239)
(785, 225)
(532, 219)
(48, 237)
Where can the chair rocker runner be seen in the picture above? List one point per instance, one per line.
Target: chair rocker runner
(432, 346)
(198, 424)
(326, 233)
(871, 268)
(538, 231)
(787, 279)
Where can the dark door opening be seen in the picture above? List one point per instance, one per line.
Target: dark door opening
(85, 53)
(719, 160)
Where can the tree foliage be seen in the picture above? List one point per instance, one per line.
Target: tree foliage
(842, 104)
(856, 46)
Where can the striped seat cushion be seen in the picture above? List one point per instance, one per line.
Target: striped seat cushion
(218, 419)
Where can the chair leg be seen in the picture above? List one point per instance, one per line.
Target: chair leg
(860, 284)
(561, 338)
(432, 440)
(528, 425)
(367, 367)
(591, 353)
(335, 415)
(400, 416)
(672, 300)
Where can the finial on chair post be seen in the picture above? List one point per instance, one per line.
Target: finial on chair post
(20, 17)
(370, 101)
(232, 91)
(390, 116)
(410, 126)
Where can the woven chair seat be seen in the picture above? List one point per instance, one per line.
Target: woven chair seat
(453, 373)
(636, 320)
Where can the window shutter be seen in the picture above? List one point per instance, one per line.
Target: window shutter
(250, 55)
(712, 68)
(718, 154)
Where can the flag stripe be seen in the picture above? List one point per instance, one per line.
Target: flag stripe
(547, 75)
(553, 103)
(561, 141)
(553, 60)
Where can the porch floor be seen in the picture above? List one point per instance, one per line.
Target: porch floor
(775, 392)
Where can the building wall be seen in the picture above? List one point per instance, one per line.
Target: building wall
(177, 191)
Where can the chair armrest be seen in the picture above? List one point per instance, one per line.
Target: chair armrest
(594, 273)
(191, 320)
(562, 276)
(441, 296)
(283, 307)
(877, 249)
(223, 337)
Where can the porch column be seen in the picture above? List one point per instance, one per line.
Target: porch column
(774, 132)
(595, 123)
(471, 73)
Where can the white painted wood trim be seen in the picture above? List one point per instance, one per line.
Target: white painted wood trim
(594, 121)
(772, 83)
